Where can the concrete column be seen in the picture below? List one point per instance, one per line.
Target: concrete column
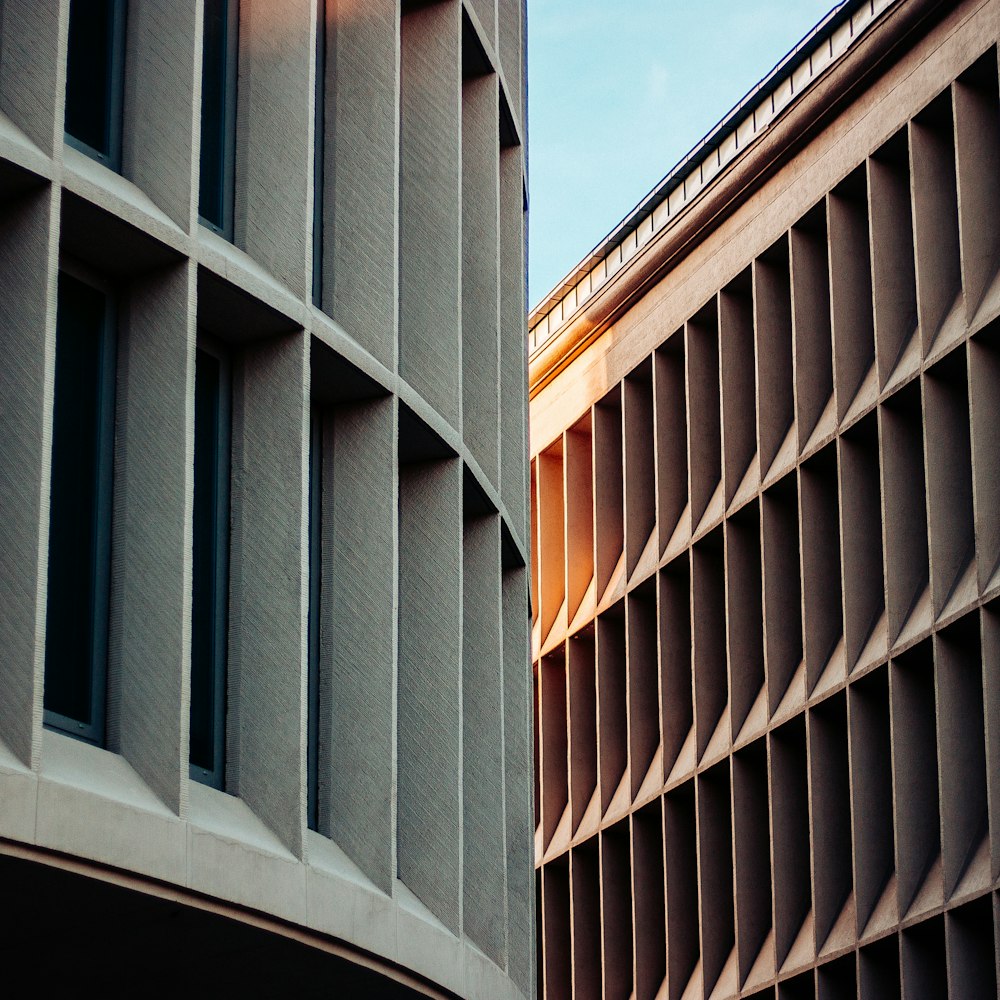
(483, 843)
(150, 619)
(513, 340)
(430, 674)
(33, 77)
(361, 185)
(358, 636)
(162, 98)
(481, 270)
(430, 290)
(267, 665)
(28, 265)
(510, 41)
(274, 130)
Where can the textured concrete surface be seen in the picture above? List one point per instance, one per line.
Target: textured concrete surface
(404, 838)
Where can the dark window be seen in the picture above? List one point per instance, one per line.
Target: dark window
(95, 78)
(218, 115)
(315, 585)
(76, 638)
(319, 143)
(210, 596)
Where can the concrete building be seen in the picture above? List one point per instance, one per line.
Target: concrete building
(265, 703)
(766, 544)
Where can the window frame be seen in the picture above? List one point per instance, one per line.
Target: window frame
(227, 125)
(94, 732)
(115, 124)
(319, 154)
(215, 777)
(315, 589)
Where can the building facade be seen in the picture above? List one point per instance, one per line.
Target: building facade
(765, 544)
(264, 721)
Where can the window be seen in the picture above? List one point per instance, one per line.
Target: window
(76, 641)
(218, 115)
(95, 78)
(315, 585)
(319, 142)
(210, 584)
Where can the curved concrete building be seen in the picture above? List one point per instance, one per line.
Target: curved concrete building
(767, 500)
(264, 674)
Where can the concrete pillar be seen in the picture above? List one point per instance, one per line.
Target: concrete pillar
(28, 265)
(267, 664)
(150, 627)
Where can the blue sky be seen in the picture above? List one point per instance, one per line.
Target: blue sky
(619, 91)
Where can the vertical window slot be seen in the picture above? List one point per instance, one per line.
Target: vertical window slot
(878, 970)
(583, 729)
(611, 708)
(608, 493)
(948, 448)
(640, 469)
(744, 621)
(648, 895)
(704, 426)
(851, 296)
(711, 684)
(210, 575)
(675, 668)
(715, 867)
(752, 848)
(95, 78)
(829, 777)
(906, 556)
(924, 965)
(977, 149)
(555, 786)
(552, 553)
(670, 404)
(959, 657)
(893, 274)
(871, 784)
(314, 627)
(935, 225)
(586, 896)
(810, 269)
(786, 681)
(616, 911)
(823, 624)
(555, 930)
(218, 116)
(83, 428)
(775, 393)
(793, 930)
(643, 685)
(861, 528)
(680, 833)
(739, 406)
(579, 518)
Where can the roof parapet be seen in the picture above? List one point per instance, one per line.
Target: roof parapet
(684, 184)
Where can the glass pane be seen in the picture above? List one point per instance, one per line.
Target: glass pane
(205, 659)
(315, 584)
(89, 73)
(212, 193)
(74, 562)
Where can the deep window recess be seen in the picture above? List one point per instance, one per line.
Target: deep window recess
(319, 143)
(95, 78)
(315, 585)
(210, 598)
(218, 115)
(80, 511)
